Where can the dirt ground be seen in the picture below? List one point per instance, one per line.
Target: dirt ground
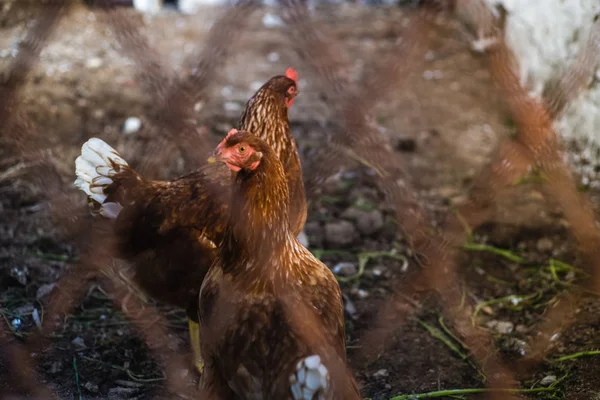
(445, 122)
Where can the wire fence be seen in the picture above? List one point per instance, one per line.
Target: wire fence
(354, 139)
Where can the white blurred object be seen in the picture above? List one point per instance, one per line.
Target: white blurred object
(303, 239)
(192, 6)
(546, 40)
(271, 21)
(148, 6)
(546, 37)
(132, 125)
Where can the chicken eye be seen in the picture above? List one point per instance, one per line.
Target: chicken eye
(242, 149)
(291, 90)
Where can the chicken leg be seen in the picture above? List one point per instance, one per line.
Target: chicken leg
(195, 343)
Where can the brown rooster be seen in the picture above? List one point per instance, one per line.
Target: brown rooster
(168, 229)
(253, 340)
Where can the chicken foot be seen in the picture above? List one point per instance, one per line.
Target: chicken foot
(194, 330)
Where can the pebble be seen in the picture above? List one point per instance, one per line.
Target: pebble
(517, 346)
(340, 233)
(381, 373)
(367, 222)
(349, 307)
(378, 271)
(273, 56)
(548, 380)
(544, 245)
(227, 91)
(121, 392)
(16, 323)
(132, 125)
(360, 293)
(521, 329)
(503, 327)
(98, 113)
(345, 269)
(36, 318)
(56, 367)
(44, 290)
(20, 274)
(271, 21)
(78, 342)
(232, 106)
(93, 63)
(91, 387)
(349, 175)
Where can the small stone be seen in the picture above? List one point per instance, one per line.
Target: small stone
(516, 346)
(378, 271)
(20, 274)
(381, 373)
(23, 310)
(349, 307)
(44, 290)
(93, 63)
(271, 21)
(98, 113)
(502, 327)
(447, 192)
(367, 222)
(56, 367)
(16, 323)
(232, 106)
(544, 245)
(370, 222)
(132, 125)
(345, 269)
(548, 380)
(118, 393)
(360, 293)
(227, 91)
(36, 318)
(521, 329)
(341, 233)
(273, 56)
(78, 342)
(91, 387)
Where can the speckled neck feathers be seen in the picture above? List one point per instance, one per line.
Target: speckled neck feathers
(259, 222)
(266, 116)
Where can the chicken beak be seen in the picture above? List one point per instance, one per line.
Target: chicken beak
(216, 156)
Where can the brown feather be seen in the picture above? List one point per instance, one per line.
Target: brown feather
(168, 230)
(250, 342)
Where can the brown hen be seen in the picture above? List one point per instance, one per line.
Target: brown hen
(271, 314)
(168, 229)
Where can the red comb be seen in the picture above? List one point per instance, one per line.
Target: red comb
(292, 74)
(230, 133)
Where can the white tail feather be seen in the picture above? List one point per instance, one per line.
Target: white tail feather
(310, 381)
(94, 169)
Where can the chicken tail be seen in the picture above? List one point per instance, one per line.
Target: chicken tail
(95, 169)
(310, 380)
